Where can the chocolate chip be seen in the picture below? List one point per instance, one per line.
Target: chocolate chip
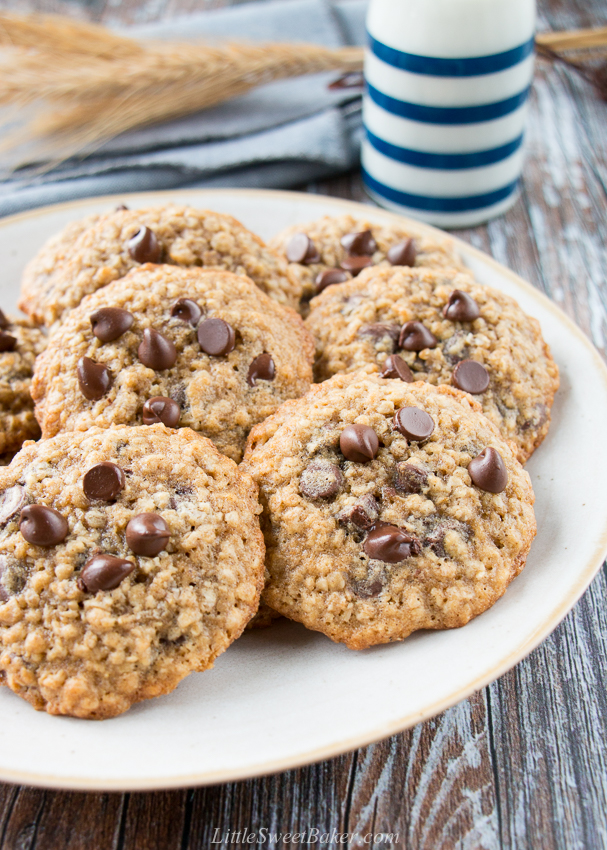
(42, 526)
(104, 572)
(461, 307)
(121, 208)
(354, 265)
(94, 379)
(156, 351)
(382, 333)
(455, 349)
(537, 419)
(109, 323)
(178, 394)
(413, 423)
(409, 479)
(488, 471)
(359, 443)
(261, 369)
(13, 577)
(301, 249)
(415, 337)
(395, 367)
(104, 481)
(320, 480)
(144, 246)
(372, 583)
(161, 410)
(363, 513)
(329, 277)
(360, 244)
(312, 255)
(368, 589)
(403, 253)
(7, 342)
(11, 501)
(4, 322)
(216, 337)
(435, 540)
(186, 310)
(147, 534)
(471, 377)
(390, 544)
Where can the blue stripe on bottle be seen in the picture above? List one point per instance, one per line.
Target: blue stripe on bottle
(447, 161)
(430, 204)
(473, 66)
(447, 114)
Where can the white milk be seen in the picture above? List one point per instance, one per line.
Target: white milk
(444, 111)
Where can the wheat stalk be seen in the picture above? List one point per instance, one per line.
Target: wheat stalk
(573, 39)
(61, 36)
(99, 85)
(578, 50)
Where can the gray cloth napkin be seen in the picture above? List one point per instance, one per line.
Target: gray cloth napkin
(277, 136)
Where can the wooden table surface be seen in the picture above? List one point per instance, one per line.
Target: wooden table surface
(522, 764)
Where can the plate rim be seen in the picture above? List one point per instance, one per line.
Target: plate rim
(334, 749)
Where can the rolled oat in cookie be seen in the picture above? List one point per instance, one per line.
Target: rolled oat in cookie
(111, 245)
(336, 248)
(129, 558)
(20, 343)
(438, 325)
(419, 514)
(200, 348)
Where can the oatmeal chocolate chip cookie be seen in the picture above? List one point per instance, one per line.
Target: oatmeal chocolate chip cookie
(334, 249)
(54, 253)
(264, 617)
(438, 325)
(120, 241)
(201, 348)
(129, 557)
(388, 507)
(20, 343)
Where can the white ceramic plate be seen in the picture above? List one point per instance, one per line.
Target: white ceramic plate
(285, 696)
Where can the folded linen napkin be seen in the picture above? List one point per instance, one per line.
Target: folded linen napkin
(277, 136)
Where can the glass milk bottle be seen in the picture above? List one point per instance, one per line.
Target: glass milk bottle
(444, 108)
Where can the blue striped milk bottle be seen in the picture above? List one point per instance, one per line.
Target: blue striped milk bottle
(444, 109)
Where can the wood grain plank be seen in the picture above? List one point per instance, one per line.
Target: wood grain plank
(433, 786)
(549, 719)
(8, 796)
(74, 821)
(565, 199)
(24, 818)
(290, 802)
(71, 821)
(154, 820)
(571, 14)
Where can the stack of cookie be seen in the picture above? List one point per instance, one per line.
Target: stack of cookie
(165, 345)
